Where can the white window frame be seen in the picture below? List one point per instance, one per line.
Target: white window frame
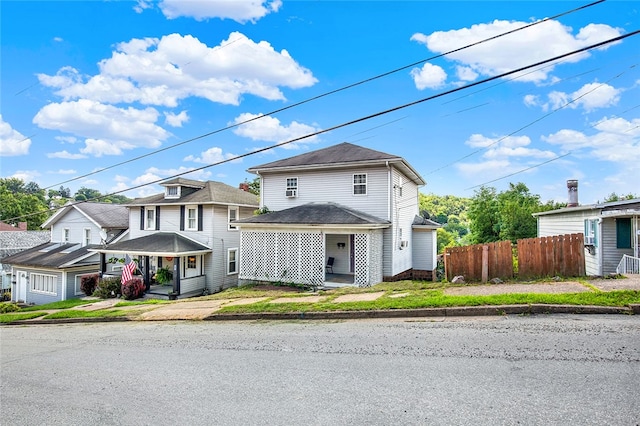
(236, 210)
(150, 224)
(187, 263)
(66, 235)
(291, 189)
(591, 232)
(360, 184)
(169, 189)
(188, 219)
(78, 282)
(86, 234)
(43, 283)
(236, 262)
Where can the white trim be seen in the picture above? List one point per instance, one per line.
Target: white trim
(359, 184)
(31, 284)
(168, 196)
(148, 209)
(236, 261)
(291, 191)
(195, 218)
(66, 235)
(84, 237)
(232, 227)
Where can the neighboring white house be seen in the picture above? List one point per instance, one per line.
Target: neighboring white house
(611, 232)
(51, 272)
(346, 205)
(189, 229)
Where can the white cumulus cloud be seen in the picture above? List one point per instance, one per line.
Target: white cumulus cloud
(269, 129)
(428, 77)
(176, 120)
(238, 10)
(513, 51)
(211, 156)
(12, 142)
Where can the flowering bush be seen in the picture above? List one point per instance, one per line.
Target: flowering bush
(133, 289)
(88, 283)
(108, 288)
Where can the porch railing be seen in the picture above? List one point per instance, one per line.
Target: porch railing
(629, 265)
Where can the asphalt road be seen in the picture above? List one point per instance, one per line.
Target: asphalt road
(559, 370)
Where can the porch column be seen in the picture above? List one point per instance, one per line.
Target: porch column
(103, 264)
(147, 275)
(176, 274)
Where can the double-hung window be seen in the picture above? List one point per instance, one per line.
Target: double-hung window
(292, 187)
(233, 215)
(150, 218)
(591, 232)
(232, 261)
(191, 218)
(87, 236)
(360, 184)
(65, 235)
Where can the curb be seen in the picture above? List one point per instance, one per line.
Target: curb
(457, 311)
(460, 311)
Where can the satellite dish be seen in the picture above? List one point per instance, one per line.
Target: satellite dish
(103, 236)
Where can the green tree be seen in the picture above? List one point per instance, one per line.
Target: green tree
(484, 216)
(84, 193)
(22, 203)
(515, 208)
(615, 197)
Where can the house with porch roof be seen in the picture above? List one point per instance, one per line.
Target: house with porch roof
(340, 215)
(51, 271)
(189, 230)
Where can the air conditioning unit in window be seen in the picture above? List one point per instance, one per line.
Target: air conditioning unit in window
(291, 193)
(589, 241)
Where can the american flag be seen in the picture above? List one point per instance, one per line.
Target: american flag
(127, 270)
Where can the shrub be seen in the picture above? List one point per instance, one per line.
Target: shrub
(164, 276)
(8, 307)
(133, 289)
(108, 288)
(88, 283)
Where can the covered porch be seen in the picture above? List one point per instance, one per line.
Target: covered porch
(179, 260)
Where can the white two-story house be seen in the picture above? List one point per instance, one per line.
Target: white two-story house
(52, 271)
(343, 215)
(188, 229)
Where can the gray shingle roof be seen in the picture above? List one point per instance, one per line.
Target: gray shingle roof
(211, 193)
(12, 242)
(342, 155)
(158, 243)
(50, 255)
(316, 214)
(106, 215)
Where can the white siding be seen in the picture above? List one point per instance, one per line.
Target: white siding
(329, 186)
(76, 222)
(404, 203)
(424, 249)
(611, 255)
(573, 223)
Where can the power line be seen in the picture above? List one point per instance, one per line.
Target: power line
(368, 117)
(276, 111)
(530, 123)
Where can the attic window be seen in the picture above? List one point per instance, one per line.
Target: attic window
(172, 192)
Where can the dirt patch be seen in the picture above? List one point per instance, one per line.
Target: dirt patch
(550, 288)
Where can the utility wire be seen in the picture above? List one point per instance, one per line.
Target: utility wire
(276, 111)
(368, 117)
(530, 123)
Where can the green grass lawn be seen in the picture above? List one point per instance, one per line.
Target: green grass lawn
(6, 318)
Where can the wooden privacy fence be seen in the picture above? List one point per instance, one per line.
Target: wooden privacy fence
(558, 255)
(495, 259)
(561, 255)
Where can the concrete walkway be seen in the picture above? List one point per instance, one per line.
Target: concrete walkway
(198, 309)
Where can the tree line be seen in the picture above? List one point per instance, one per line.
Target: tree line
(27, 202)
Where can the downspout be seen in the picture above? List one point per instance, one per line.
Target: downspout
(600, 249)
(389, 212)
(261, 192)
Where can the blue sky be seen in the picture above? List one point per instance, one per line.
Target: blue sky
(89, 84)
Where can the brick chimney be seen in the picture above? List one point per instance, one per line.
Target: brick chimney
(244, 186)
(572, 187)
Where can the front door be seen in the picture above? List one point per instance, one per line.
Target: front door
(21, 287)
